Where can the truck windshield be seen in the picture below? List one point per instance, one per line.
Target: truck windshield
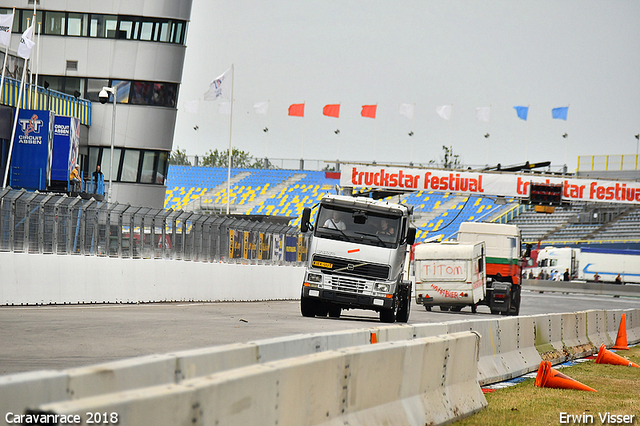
(358, 226)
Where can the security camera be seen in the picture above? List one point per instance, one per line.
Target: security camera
(103, 96)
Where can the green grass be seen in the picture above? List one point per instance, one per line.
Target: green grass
(525, 404)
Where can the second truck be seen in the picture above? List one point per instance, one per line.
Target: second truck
(483, 268)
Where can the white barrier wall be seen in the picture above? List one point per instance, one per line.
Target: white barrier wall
(362, 385)
(89, 279)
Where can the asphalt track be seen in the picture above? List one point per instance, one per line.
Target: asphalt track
(59, 337)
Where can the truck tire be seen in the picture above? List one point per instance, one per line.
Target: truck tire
(427, 308)
(456, 308)
(334, 311)
(404, 302)
(308, 307)
(474, 308)
(444, 308)
(514, 309)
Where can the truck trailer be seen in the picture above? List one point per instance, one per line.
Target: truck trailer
(450, 275)
(503, 267)
(585, 262)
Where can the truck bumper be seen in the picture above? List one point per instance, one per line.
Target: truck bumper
(348, 300)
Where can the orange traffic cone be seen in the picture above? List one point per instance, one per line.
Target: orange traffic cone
(607, 357)
(621, 340)
(547, 377)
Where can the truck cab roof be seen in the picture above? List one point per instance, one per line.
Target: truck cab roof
(367, 203)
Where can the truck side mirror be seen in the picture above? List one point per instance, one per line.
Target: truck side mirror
(304, 222)
(411, 236)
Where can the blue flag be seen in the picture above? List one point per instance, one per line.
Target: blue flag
(560, 113)
(522, 112)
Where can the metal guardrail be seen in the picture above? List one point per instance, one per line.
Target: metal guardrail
(631, 290)
(44, 223)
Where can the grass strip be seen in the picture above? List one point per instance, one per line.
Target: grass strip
(525, 404)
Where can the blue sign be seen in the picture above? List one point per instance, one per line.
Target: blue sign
(66, 142)
(31, 156)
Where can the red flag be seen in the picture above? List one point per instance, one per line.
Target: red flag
(331, 110)
(369, 111)
(296, 110)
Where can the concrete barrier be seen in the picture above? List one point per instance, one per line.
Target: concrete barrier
(548, 341)
(574, 335)
(630, 290)
(156, 280)
(357, 386)
(597, 328)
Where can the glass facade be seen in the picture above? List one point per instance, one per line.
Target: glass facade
(94, 25)
(129, 165)
(129, 92)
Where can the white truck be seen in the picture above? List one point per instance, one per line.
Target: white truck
(583, 263)
(485, 266)
(357, 257)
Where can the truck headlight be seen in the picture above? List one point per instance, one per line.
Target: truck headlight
(382, 288)
(314, 278)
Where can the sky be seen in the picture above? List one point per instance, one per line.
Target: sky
(544, 54)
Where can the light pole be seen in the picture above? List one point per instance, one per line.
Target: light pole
(104, 98)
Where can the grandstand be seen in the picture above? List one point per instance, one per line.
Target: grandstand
(276, 192)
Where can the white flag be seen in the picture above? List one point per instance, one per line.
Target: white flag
(6, 22)
(444, 111)
(261, 107)
(406, 110)
(220, 87)
(191, 107)
(26, 45)
(483, 114)
(224, 108)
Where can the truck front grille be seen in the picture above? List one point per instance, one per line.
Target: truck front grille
(353, 268)
(352, 285)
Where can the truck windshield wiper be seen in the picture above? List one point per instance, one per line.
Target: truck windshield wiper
(384, 243)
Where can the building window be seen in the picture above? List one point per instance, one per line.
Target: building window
(77, 24)
(54, 23)
(100, 26)
(130, 165)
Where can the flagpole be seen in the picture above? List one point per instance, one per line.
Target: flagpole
(38, 62)
(488, 137)
(15, 124)
(6, 54)
(33, 22)
(566, 139)
(526, 148)
(230, 133)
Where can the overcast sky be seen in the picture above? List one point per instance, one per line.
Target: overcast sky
(544, 54)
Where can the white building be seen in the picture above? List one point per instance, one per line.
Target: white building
(136, 46)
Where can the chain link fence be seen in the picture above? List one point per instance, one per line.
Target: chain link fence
(40, 223)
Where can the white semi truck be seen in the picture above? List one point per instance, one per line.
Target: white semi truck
(585, 262)
(357, 257)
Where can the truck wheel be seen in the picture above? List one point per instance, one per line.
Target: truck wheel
(404, 300)
(444, 308)
(514, 309)
(321, 309)
(456, 308)
(474, 308)
(308, 307)
(428, 308)
(334, 311)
